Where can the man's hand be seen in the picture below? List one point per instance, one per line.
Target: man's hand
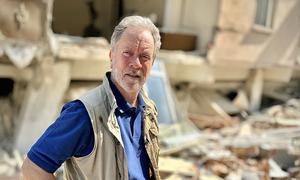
(31, 171)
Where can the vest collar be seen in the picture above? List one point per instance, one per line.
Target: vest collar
(111, 98)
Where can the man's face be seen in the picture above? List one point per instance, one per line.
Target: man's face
(132, 59)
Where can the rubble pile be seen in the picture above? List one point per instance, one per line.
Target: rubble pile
(264, 145)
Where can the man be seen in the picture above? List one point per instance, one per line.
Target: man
(111, 132)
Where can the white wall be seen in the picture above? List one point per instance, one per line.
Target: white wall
(172, 14)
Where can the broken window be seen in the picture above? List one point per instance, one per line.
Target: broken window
(264, 13)
(157, 87)
(175, 130)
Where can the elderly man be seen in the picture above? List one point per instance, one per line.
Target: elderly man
(111, 132)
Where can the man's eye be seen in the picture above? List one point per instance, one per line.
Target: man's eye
(126, 53)
(146, 57)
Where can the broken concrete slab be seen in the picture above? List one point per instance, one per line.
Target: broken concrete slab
(50, 86)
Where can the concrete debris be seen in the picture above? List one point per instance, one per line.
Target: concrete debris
(20, 55)
(10, 163)
(78, 48)
(276, 171)
(294, 172)
(6, 114)
(289, 110)
(250, 175)
(251, 146)
(179, 166)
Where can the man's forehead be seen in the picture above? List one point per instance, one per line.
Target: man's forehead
(136, 33)
(134, 38)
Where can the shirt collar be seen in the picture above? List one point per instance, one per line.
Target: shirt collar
(123, 105)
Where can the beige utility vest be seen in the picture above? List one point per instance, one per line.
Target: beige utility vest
(107, 161)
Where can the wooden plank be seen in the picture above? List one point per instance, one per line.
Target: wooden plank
(41, 104)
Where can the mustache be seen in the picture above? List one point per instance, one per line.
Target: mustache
(134, 73)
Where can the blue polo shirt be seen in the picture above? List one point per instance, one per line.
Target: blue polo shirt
(72, 135)
(131, 126)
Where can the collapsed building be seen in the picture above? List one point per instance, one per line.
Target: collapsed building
(227, 78)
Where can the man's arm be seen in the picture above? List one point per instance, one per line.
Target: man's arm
(70, 135)
(31, 171)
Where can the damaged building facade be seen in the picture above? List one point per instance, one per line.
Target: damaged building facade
(230, 69)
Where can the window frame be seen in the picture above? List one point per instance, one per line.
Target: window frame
(268, 19)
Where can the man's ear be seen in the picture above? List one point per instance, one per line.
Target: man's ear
(110, 57)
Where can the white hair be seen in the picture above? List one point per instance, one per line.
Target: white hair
(140, 22)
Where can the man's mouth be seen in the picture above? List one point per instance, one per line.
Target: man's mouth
(135, 76)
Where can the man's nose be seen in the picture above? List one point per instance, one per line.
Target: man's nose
(135, 62)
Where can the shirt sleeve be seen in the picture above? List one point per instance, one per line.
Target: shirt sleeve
(70, 135)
